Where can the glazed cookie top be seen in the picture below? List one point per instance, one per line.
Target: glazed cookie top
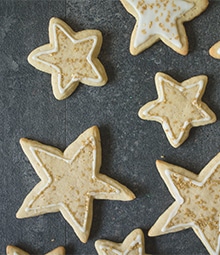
(70, 180)
(132, 245)
(163, 20)
(197, 203)
(70, 58)
(178, 107)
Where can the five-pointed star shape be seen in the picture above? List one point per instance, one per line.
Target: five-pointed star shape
(178, 107)
(197, 203)
(214, 51)
(132, 245)
(70, 58)
(163, 20)
(70, 180)
(13, 250)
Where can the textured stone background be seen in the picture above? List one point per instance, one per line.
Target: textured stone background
(130, 145)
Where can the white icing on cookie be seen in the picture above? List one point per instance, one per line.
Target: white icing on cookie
(34, 150)
(135, 247)
(166, 125)
(180, 201)
(56, 48)
(159, 17)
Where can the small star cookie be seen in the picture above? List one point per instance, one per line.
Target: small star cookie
(162, 19)
(197, 203)
(70, 180)
(215, 50)
(70, 58)
(132, 245)
(13, 250)
(178, 107)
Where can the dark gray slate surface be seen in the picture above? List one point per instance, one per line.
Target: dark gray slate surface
(130, 146)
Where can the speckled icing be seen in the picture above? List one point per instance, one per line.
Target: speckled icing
(38, 155)
(158, 17)
(51, 62)
(70, 180)
(198, 204)
(132, 245)
(160, 109)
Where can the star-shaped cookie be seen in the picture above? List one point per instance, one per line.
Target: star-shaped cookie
(70, 58)
(162, 19)
(197, 204)
(178, 107)
(132, 245)
(70, 180)
(215, 50)
(13, 250)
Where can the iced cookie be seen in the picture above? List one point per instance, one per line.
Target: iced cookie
(132, 245)
(70, 180)
(70, 58)
(197, 203)
(162, 19)
(12, 250)
(178, 107)
(215, 50)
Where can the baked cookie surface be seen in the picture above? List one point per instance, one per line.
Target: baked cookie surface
(157, 19)
(179, 107)
(132, 245)
(214, 51)
(70, 58)
(13, 250)
(70, 180)
(197, 203)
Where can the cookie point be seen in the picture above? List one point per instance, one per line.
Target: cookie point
(151, 233)
(158, 162)
(137, 231)
(8, 248)
(54, 19)
(97, 242)
(23, 140)
(84, 239)
(132, 196)
(11, 250)
(60, 250)
(141, 113)
(29, 58)
(158, 74)
(94, 129)
(18, 216)
(134, 51)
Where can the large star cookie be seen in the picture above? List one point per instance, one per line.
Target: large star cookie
(132, 245)
(162, 19)
(178, 107)
(13, 250)
(70, 58)
(70, 180)
(197, 204)
(214, 51)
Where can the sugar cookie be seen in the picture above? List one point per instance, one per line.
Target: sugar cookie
(197, 203)
(13, 250)
(178, 107)
(70, 58)
(132, 245)
(70, 180)
(157, 19)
